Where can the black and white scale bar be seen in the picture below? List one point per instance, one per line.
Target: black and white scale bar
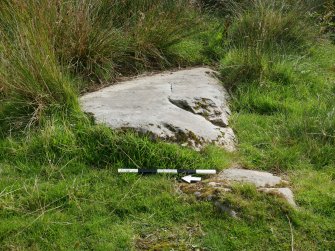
(174, 171)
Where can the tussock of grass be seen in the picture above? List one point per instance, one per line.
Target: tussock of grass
(270, 26)
(105, 40)
(52, 50)
(260, 35)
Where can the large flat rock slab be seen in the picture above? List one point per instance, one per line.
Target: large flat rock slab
(188, 106)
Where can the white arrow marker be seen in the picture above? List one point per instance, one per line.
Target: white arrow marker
(189, 179)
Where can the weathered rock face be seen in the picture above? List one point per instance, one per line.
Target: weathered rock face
(188, 106)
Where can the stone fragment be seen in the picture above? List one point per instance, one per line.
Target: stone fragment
(197, 194)
(284, 192)
(224, 208)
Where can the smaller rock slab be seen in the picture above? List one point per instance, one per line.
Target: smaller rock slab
(257, 178)
(222, 183)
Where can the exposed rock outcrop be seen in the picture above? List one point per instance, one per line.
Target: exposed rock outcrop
(188, 106)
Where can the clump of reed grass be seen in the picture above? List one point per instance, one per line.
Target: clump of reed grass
(261, 33)
(52, 50)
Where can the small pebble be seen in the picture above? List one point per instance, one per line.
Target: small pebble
(197, 194)
(212, 184)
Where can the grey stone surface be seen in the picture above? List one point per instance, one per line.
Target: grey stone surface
(225, 208)
(188, 106)
(283, 192)
(259, 179)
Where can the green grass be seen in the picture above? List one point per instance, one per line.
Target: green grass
(67, 145)
(290, 114)
(59, 188)
(96, 209)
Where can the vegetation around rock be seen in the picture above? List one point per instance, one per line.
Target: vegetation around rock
(58, 183)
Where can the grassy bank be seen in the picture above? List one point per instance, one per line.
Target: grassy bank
(58, 183)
